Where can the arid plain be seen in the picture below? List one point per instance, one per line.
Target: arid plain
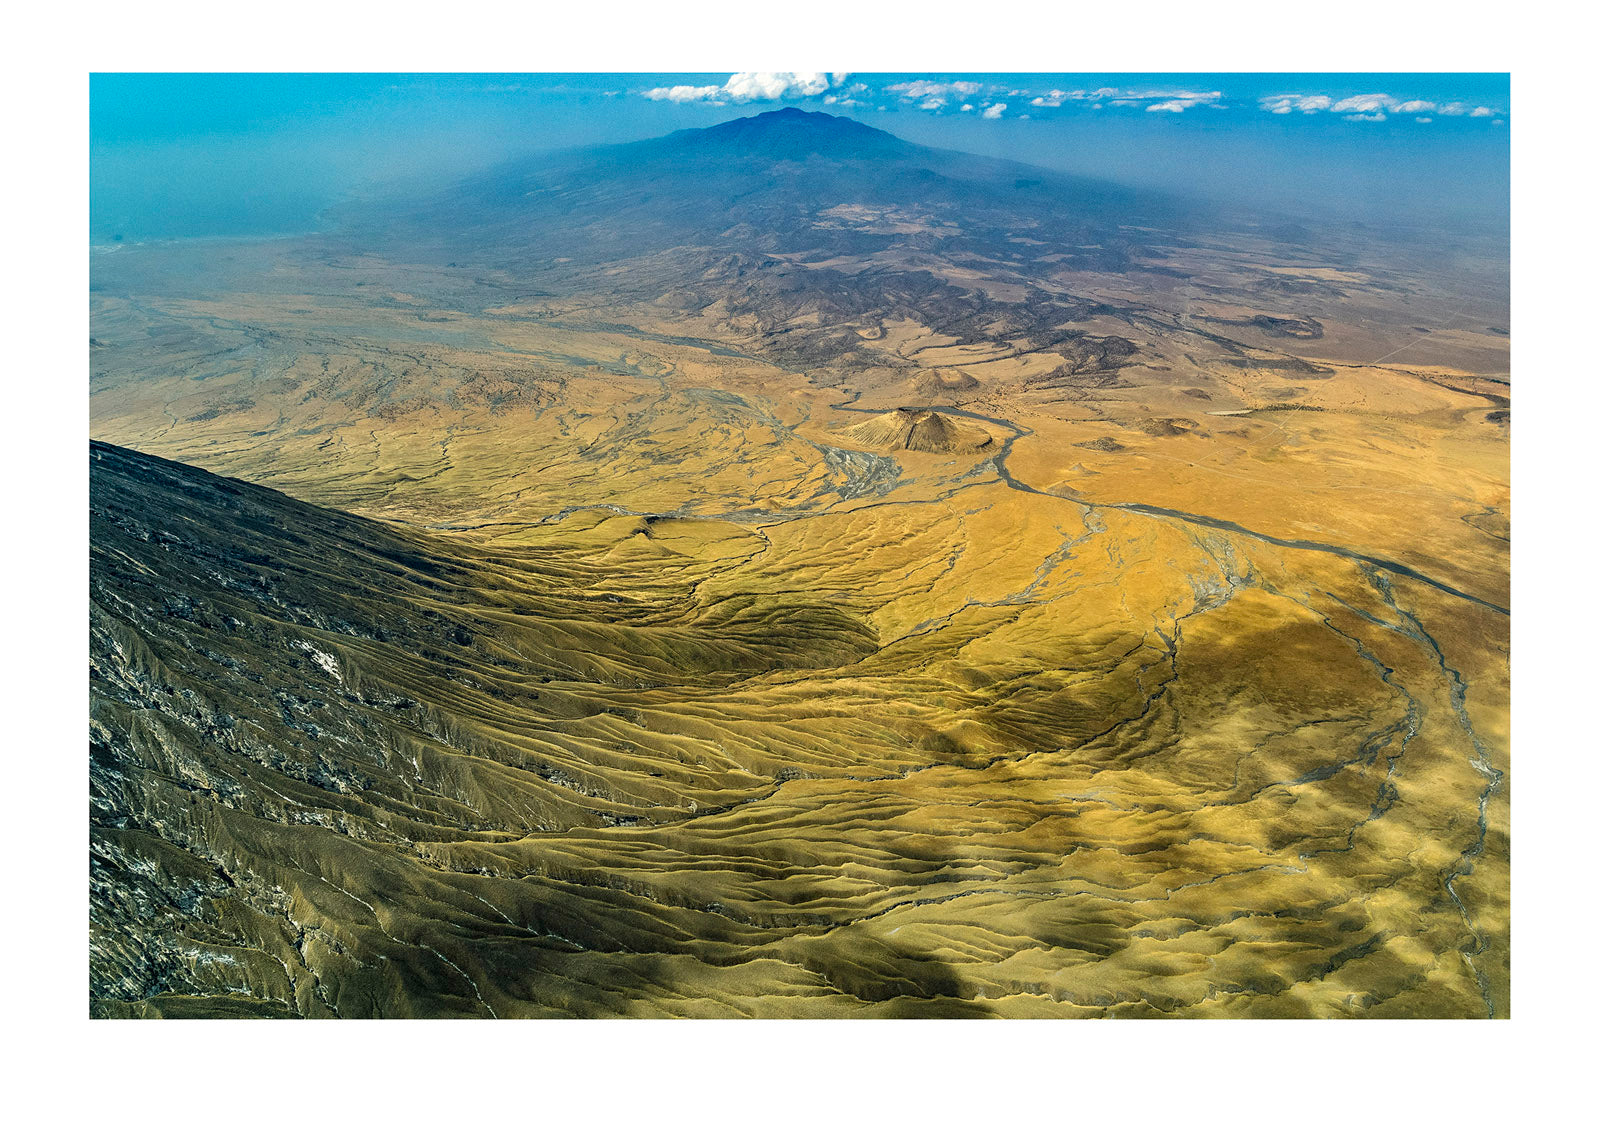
(936, 595)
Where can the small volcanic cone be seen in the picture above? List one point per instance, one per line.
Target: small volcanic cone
(939, 384)
(918, 430)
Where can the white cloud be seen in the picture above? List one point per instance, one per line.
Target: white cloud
(1289, 103)
(922, 88)
(750, 86)
(995, 111)
(965, 107)
(934, 96)
(1424, 121)
(1368, 107)
(768, 86)
(1167, 100)
(683, 93)
(1365, 104)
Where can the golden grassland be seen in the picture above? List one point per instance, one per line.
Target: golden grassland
(719, 701)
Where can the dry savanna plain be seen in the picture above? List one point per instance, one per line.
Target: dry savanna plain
(916, 596)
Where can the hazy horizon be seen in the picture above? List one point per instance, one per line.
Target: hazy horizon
(184, 155)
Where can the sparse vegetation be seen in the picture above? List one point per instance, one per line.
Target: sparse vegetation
(754, 593)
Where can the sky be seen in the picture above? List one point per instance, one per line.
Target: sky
(187, 155)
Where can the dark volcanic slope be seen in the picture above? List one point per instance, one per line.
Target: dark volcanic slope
(273, 684)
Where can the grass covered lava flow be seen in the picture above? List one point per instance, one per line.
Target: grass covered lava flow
(853, 580)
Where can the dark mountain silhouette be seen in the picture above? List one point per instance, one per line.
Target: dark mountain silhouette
(771, 182)
(790, 133)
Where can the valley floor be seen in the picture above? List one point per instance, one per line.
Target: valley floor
(597, 656)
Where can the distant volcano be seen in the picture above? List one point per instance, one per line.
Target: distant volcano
(789, 133)
(764, 183)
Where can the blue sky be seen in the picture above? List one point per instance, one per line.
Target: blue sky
(197, 155)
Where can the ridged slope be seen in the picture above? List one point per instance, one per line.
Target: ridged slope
(919, 430)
